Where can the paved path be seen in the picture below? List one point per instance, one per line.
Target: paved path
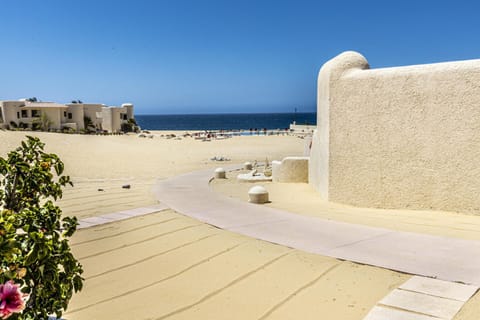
(439, 257)
(422, 298)
(120, 215)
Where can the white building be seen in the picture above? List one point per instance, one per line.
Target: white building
(55, 116)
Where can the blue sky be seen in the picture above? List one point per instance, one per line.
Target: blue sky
(208, 56)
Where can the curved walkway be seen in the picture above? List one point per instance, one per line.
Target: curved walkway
(444, 258)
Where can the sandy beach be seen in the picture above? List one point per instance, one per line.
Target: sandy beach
(109, 162)
(168, 266)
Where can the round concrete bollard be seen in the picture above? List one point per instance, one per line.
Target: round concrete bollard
(220, 173)
(247, 166)
(258, 194)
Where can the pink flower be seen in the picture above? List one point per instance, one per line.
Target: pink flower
(11, 299)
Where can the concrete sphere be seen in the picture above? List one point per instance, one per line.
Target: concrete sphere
(258, 194)
(247, 166)
(220, 173)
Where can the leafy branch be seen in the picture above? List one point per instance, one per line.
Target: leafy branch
(34, 245)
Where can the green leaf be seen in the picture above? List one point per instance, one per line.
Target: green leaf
(77, 283)
(31, 256)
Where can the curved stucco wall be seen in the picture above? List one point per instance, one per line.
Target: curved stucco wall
(405, 137)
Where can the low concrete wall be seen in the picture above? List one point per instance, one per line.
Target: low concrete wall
(405, 137)
(290, 169)
(302, 127)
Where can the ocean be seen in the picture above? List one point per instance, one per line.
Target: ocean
(224, 121)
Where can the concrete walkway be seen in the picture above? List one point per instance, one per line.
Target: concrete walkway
(444, 258)
(118, 216)
(422, 298)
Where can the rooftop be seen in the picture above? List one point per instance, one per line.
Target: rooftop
(44, 105)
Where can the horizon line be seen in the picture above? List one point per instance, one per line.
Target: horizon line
(219, 113)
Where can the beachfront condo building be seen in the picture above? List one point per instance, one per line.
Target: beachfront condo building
(70, 116)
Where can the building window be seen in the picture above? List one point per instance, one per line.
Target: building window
(35, 113)
(123, 116)
(65, 114)
(18, 115)
(24, 113)
(70, 115)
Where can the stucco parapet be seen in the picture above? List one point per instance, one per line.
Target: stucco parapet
(467, 66)
(342, 65)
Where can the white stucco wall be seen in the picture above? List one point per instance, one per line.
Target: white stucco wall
(9, 111)
(77, 116)
(54, 115)
(91, 110)
(405, 137)
(116, 121)
(112, 119)
(107, 119)
(128, 107)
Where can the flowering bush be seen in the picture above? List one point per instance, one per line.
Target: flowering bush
(38, 273)
(11, 299)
